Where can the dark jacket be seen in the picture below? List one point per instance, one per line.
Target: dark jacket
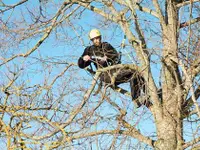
(104, 50)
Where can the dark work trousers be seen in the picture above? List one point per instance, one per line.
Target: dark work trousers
(138, 87)
(120, 76)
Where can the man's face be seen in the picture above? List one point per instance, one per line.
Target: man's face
(97, 41)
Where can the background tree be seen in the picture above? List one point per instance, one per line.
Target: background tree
(46, 99)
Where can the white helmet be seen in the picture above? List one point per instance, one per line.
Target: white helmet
(94, 33)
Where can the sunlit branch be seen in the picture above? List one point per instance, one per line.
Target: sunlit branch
(184, 3)
(45, 36)
(143, 51)
(60, 75)
(11, 108)
(158, 10)
(89, 114)
(98, 11)
(191, 143)
(120, 66)
(137, 6)
(137, 44)
(7, 130)
(193, 21)
(122, 111)
(133, 132)
(95, 133)
(12, 6)
(36, 31)
(111, 7)
(6, 88)
(75, 111)
(41, 119)
(189, 102)
(195, 69)
(75, 31)
(190, 113)
(191, 88)
(8, 93)
(85, 99)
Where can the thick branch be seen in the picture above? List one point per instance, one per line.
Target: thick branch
(112, 8)
(111, 132)
(98, 11)
(138, 7)
(145, 69)
(143, 51)
(195, 69)
(158, 9)
(184, 3)
(147, 10)
(120, 66)
(131, 132)
(193, 21)
(189, 101)
(191, 88)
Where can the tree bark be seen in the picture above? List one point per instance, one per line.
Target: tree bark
(170, 127)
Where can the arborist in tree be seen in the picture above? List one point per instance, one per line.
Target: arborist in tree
(102, 54)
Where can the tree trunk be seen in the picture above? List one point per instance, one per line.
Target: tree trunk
(169, 132)
(170, 127)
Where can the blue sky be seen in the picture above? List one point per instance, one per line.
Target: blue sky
(64, 46)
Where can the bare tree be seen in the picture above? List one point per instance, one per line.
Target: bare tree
(46, 100)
